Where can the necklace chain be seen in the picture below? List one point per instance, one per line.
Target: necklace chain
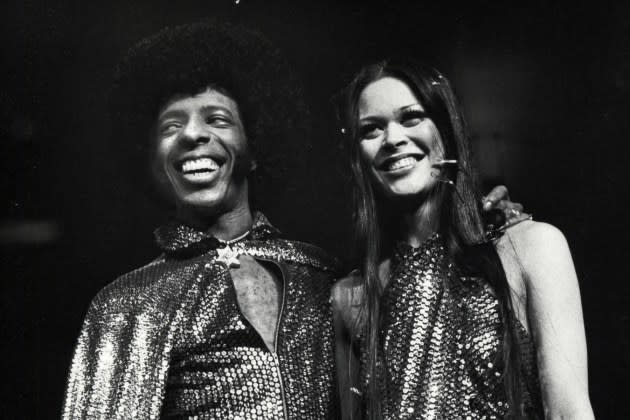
(238, 238)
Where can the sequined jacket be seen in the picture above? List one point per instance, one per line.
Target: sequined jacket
(133, 327)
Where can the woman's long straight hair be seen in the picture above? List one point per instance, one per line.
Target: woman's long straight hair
(460, 217)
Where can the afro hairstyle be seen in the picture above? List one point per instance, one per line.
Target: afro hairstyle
(189, 58)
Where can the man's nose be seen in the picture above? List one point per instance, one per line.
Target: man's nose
(196, 131)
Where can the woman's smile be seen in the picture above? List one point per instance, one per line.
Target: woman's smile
(400, 164)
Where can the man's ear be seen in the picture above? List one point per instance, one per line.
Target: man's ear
(253, 165)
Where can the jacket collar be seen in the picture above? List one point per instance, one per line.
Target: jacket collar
(176, 237)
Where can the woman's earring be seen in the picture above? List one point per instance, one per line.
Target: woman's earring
(444, 180)
(440, 164)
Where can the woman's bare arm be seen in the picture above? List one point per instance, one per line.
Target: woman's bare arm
(554, 312)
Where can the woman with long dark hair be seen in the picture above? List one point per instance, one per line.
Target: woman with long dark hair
(443, 320)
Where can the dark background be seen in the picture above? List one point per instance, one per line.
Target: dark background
(545, 86)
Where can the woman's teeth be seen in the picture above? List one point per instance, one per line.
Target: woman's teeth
(199, 165)
(401, 163)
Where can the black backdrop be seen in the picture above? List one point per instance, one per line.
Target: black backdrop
(545, 87)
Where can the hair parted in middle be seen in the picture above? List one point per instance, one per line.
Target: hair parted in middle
(460, 221)
(238, 62)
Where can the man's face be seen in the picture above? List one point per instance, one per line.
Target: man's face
(200, 154)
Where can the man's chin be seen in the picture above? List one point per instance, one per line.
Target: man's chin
(209, 202)
(203, 203)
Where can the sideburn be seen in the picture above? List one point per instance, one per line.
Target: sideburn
(244, 164)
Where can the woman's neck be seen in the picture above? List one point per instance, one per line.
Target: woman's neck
(419, 223)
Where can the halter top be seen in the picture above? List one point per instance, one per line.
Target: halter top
(441, 340)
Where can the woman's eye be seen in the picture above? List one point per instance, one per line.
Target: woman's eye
(412, 118)
(370, 131)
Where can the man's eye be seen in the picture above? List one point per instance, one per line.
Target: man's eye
(169, 127)
(218, 121)
(370, 131)
(412, 118)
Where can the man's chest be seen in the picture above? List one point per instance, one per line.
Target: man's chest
(258, 289)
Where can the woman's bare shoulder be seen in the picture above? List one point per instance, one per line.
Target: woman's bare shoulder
(533, 233)
(532, 238)
(538, 248)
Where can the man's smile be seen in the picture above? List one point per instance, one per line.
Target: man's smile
(200, 169)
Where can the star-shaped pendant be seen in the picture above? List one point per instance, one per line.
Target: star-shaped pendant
(229, 256)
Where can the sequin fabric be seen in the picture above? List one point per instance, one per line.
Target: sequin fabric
(168, 340)
(441, 339)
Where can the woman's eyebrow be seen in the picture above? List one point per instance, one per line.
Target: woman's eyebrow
(396, 112)
(369, 118)
(411, 106)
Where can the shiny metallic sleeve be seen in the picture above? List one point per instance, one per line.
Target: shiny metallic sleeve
(79, 379)
(118, 367)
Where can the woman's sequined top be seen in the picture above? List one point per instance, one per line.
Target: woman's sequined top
(168, 339)
(441, 336)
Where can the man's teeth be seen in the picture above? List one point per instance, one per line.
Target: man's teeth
(401, 163)
(197, 165)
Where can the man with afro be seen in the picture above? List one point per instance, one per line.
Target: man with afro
(231, 321)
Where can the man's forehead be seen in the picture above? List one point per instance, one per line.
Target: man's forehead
(209, 97)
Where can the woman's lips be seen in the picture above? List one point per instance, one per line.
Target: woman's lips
(400, 163)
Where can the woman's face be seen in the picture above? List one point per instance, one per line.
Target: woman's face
(398, 141)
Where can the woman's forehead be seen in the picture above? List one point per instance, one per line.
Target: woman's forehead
(385, 95)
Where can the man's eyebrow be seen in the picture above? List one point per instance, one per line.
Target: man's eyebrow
(212, 108)
(170, 113)
(206, 108)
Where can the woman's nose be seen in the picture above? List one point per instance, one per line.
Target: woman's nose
(395, 135)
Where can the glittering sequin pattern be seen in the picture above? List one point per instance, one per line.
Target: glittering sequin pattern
(169, 341)
(441, 340)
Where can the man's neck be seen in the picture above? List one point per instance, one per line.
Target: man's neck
(225, 225)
